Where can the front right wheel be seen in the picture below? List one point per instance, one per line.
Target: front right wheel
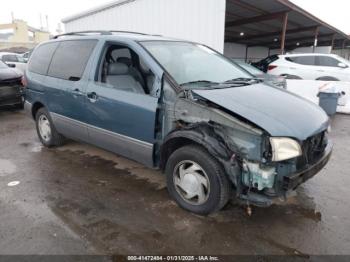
(197, 181)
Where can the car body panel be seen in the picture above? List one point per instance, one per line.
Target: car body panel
(282, 114)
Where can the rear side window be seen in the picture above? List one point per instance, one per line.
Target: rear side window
(41, 58)
(302, 60)
(70, 59)
(327, 61)
(9, 58)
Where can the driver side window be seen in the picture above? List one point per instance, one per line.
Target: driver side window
(123, 69)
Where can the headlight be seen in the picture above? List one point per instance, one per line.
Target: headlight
(284, 148)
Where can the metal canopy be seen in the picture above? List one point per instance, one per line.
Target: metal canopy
(278, 24)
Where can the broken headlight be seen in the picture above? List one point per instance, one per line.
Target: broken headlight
(284, 148)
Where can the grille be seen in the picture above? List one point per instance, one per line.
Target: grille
(313, 148)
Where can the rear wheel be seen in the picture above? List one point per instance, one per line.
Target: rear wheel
(196, 181)
(47, 133)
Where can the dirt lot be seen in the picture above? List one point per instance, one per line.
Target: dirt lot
(81, 200)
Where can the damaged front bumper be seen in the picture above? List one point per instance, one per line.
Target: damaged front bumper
(289, 183)
(293, 181)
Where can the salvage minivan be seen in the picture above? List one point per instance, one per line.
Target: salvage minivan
(215, 130)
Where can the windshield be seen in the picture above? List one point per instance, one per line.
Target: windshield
(3, 65)
(191, 64)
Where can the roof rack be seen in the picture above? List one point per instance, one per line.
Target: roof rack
(101, 32)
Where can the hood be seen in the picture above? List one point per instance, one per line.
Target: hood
(9, 73)
(277, 111)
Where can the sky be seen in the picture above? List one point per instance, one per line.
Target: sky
(335, 12)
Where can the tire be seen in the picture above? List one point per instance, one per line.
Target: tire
(218, 190)
(49, 138)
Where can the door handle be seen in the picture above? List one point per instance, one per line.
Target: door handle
(77, 92)
(92, 96)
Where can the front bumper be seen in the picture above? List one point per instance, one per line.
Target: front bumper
(11, 100)
(10, 95)
(293, 181)
(289, 183)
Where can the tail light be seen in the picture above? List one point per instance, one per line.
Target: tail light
(271, 67)
(24, 81)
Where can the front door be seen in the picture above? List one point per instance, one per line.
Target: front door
(121, 110)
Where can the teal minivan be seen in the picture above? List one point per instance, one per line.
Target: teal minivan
(215, 130)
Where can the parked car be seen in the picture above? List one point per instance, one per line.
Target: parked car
(278, 81)
(180, 107)
(326, 67)
(11, 91)
(13, 60)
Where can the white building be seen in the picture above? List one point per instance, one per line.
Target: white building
(243, 29)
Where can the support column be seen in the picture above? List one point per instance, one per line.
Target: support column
(316, 39)
(343, 48)
(246, 53)
(332, 44)
(284, 30)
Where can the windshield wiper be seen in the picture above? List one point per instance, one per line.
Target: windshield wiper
(242, 80)
(199, 82)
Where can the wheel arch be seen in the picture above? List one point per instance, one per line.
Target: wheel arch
(201, 136)
(327, 78)
(290, 76)
(35, 107)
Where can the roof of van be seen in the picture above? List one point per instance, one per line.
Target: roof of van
(115, 34)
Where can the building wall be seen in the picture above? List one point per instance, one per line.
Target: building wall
(343, 53)
(196, 20)
(238, 51)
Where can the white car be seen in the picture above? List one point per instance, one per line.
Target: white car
(13, 60)
(326, 67)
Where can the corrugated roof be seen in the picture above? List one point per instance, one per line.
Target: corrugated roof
(261, 22)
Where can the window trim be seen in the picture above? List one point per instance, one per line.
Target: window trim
(319, 64)
(48, 66)
(87, 62)
(101, 55)
(289, 59)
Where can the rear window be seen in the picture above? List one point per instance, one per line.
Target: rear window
(302, 60)
(70, 59)
(41, 58)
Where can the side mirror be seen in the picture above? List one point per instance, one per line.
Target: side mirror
(342, 65)
(11, 65)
